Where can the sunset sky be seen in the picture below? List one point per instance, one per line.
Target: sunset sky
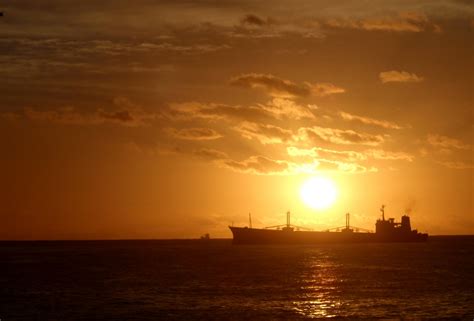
(171, 119)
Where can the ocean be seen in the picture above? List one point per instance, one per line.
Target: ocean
(215, 280)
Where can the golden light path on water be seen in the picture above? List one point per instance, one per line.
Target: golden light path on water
(319, 289)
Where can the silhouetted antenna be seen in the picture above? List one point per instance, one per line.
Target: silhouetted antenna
(348, 216)
(288, 219)
(382, 209)
(250, 220)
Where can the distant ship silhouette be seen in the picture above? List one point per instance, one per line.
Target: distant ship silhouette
(385, 231)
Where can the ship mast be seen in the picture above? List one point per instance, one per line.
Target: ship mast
(250, 220)
(382, 209)
(288, 226)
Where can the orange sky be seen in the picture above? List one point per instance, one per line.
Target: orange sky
(171, 119)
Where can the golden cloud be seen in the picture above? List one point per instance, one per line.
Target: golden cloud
(338, 136)
(194, 133)
(369, 121)
(264, 133)
(278, 87)
(399, 76)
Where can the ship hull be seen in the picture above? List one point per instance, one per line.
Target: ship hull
(244, 235)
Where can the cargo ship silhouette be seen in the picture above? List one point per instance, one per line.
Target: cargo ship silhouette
(385, 231)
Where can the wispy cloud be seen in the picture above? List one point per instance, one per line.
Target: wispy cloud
(254, 20)
(445, 142)
(264, 165)
(285, 108)
(457, 164)
(124, 113)
(388, 155)
(273, 85)
(71, 116)
(278, 87)
(319, 152)
(404, 22)
(325, 89)
(212, 111)
(369, 121)
(347, 155)
(277, 108)
(257, 165)
(338, 136)
(255, 26)
(194, 133)
(210, 154)
(399, 76)
(264, 133)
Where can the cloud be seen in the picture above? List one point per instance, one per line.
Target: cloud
(457, 165)
(116, 47)
(9, 116)
(119, 116)
(254, 26)
(214, 112)
(273, 85)
(338, 136)
(399, 76)
(325, 89)
(126, 114)
(64, 115)
(387, 155)
(329, 160)
(444, 142)
(210, 154)
(254, 20)
(264, 133)
(319, 164)
(194, 133)
(281, 108)
(404, 22)
(260, 165)
(318, 152)
(352, 167)
(264, 165)
(277, 108)
(369, 121)
(257, 165)
(348, 156)
(279, 87)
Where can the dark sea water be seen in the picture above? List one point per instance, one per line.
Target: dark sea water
(214, 280)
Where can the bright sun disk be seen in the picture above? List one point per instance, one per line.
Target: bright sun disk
(318, 192)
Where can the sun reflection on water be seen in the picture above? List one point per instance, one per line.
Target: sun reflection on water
(319, 289)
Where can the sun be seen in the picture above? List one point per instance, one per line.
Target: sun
(318, 192)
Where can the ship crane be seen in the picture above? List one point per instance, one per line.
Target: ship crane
(288, 226)
(348, 227)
